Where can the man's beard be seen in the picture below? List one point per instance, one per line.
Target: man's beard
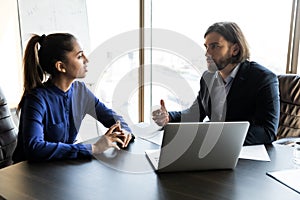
(213, 66)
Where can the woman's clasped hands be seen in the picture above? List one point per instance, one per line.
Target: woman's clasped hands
(114, 135)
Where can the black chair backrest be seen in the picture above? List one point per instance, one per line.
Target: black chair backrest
(289, 122)
(8, 133)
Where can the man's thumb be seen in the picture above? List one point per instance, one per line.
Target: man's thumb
(162, 104)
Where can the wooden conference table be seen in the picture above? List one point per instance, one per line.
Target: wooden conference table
(128, 175)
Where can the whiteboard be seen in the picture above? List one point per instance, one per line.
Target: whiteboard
(52, 16)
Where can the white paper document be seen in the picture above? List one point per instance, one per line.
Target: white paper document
(255, 152)
(288, 177)
(156, 137)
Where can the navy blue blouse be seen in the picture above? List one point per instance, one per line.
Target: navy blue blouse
(50, 120)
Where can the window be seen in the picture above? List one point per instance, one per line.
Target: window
(170, 73)
(266, 27)
(114, 57)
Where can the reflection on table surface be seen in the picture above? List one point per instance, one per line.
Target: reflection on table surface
(127, 174)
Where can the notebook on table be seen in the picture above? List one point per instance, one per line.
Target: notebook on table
(199, 146)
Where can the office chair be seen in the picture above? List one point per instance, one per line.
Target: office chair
(8, 133)
(289, 121)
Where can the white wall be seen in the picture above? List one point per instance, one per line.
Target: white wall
(11, 71)
(10, 52)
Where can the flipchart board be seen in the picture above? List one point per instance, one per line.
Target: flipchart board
(51, 16)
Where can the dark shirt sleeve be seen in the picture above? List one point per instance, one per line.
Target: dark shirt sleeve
(87, 103)
(32, 143)
(108, 117)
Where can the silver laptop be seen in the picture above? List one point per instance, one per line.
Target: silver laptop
(199, 146)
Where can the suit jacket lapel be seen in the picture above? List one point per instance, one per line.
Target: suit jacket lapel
(238, 82)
